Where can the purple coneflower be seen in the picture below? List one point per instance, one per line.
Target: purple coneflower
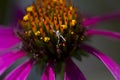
(51, 33)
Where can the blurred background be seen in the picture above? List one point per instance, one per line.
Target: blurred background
(90, 66)
(5, 10)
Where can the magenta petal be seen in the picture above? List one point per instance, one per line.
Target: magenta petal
(6, 42)
(109, 63)
(5, 30)
(93, 32)
(6, 60)
(7, 38)
(21, 72)
(72, 72)
(94, 20)
(49, 73)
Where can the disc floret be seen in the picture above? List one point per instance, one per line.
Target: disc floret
(51, 30)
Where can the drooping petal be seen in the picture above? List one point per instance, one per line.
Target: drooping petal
(107, 33)
(108, 62)
(21, 72)
(7, 38)
(49, 73)
(97, 19)
(6, 60)
(72, 72)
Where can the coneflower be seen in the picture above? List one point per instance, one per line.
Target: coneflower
(50, 34)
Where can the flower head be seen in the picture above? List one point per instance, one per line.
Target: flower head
(51, 29)
(51, 33)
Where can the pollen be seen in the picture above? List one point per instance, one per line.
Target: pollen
(25, 18)
(73, 22)
(29, 9)
(41, 38)
(63, 26)
(46, 39)
(71, 8)
(72, 32)
(63, 44)
(37, 33)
